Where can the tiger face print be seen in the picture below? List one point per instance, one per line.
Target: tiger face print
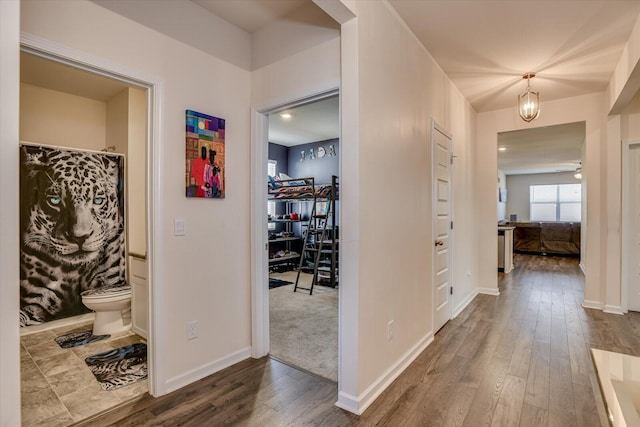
(72, 235)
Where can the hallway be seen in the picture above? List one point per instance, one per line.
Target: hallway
(518, 359)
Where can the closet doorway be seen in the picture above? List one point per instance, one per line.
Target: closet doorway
(303, 231)
(69, 106)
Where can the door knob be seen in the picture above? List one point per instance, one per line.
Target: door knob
(439, 243)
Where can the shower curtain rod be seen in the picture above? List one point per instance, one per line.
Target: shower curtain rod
(84, 150)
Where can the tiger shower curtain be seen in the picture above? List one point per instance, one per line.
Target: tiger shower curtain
(72, 235)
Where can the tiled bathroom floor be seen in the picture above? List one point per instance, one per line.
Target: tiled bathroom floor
(58, 388)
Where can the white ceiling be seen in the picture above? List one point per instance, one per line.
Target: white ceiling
(317, 121)
(541, 150)
(251, 15)
(486, 46)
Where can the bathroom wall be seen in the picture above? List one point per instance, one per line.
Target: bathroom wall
(60, 119)
(56, 118)
(126, 131)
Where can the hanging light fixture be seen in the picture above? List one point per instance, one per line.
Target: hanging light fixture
(578, 173)
(529, 102)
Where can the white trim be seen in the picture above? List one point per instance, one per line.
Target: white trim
(582, 268)
(488, 291)
(435, 127)
(613, 309)
(596, 305)
(207, 369)
(465, 303)
(626, 224)
(366, 398)
(259, 231)
(259, 245)
(154, 86)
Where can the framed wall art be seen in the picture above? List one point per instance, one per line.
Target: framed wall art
(205, 156)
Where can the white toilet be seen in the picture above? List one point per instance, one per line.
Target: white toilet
(112, 307)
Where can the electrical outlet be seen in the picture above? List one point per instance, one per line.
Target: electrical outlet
(192, 330)
(390, 330)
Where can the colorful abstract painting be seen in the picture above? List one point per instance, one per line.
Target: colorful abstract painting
(205, 156)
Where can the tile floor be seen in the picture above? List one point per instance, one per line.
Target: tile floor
(58, 388)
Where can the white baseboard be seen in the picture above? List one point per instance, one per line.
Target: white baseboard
(205, 370)
(593, 304)
(348, 402)
(464, 303)
(489, 291)
(361, 403)
(613, 309)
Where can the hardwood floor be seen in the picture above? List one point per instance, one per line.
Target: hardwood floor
(519, 359)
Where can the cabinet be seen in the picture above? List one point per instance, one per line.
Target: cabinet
(139, 295)
(505, 249)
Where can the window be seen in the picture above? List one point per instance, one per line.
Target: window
(560, 202)
(271, 205)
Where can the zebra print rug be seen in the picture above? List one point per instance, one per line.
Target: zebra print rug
(120, 367)
(78, 337)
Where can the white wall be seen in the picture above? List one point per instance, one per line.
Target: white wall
(397, 94)
(204, 275)
(302, 29)
(518, 190)
(57, 118)
(589, 108)
(502, 206)
(9, 223)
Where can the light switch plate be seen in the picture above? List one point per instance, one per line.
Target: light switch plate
(179, 227)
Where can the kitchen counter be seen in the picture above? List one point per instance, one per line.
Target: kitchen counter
(619, 379)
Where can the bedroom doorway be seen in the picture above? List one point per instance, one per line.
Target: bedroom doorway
(124, 110)
(302, 226)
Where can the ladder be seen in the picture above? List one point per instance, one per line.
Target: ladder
(321, 240)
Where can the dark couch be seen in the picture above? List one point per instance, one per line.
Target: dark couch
(560, 238)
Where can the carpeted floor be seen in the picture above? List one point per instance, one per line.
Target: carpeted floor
(303, 327)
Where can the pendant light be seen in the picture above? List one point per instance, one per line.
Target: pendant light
(529, 102)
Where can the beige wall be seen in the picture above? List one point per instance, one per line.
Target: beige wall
(9, 222)
(518, 190)
(589, 108)
(56, 118)
(204, 275)
(137, 171)
(126, 131)
(392, 103)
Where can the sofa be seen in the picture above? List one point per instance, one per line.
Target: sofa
(557, 238)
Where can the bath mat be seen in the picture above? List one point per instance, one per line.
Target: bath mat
(120, 367)
(79, 337)
(276, 283)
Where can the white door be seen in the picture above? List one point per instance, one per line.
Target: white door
(441, 207)
(632, 205)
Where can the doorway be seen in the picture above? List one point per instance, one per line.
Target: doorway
(300, 269)
(441, 163)
(57, 93)
(631, 225)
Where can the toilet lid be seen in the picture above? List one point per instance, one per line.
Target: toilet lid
(111, 291)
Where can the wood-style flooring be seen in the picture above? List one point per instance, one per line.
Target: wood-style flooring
(519, 359)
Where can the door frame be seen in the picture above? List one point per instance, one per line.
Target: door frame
(435, 127)
(260, 339)
(154, 198)
(626, 222)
